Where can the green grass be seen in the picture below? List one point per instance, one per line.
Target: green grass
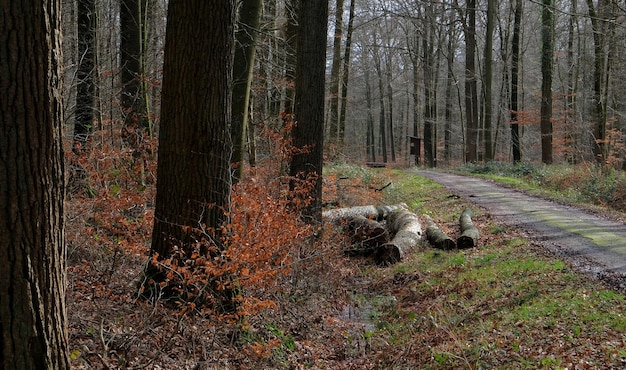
(584, 184)
(504, 305)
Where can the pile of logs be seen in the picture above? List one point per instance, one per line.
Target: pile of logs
(389, 232)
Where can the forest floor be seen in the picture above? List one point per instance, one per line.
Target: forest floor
(510, 303)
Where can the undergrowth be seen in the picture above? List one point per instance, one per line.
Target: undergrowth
(506, 304)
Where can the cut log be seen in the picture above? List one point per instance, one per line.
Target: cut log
(407, 231)
(366, 235)
(469, 232)
(372, 212)
(436, 237)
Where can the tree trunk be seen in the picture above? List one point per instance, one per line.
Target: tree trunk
(370, 141)
(245, 49)
(429, 95)
(345, 75)
(193, 175)
(515, 50)
(382, 138)
(488, 137)
(469, 232)
(290, 55)
(547, 49)
(85, 85)
(133, 100)
(471, 93)
(436, 237)
(33, 320)
(599, 20)
(333, 119)
(407, 231)
(388, 67)
(308, 131)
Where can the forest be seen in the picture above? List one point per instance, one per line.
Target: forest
(167, 169)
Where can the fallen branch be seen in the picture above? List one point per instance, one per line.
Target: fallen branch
(469, 232)
(407, 230)
(436, 237)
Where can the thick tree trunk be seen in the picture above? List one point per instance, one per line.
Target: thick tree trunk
(407, 231)
(193, 175)
(436, 237)
(308, 132)
(469, 232)
(33, 322)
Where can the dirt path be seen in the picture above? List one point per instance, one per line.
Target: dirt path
(592, 243)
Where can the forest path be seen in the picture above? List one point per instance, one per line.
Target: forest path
(591, 242)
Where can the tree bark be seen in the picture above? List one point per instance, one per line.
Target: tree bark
(469, 232)
(436, 237)
(372, 212)
(488, 56)
(382, 138)
(193, 174)
(85, 86)
(370, 141)
(308, 132)
(515, 50)
(407, 231)
(33, 322)
(471, 94)
(430, 112)
(333, 119)
(345, 75)
(245, 49)
(547, 50)
(132, 43)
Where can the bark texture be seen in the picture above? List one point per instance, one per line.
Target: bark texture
(372, 212)
(407, 231)
(469, 232)
(436, 237)
(193, 175)
(33, 321)
(308, 132)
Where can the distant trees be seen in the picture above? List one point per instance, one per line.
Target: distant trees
(32, 281)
